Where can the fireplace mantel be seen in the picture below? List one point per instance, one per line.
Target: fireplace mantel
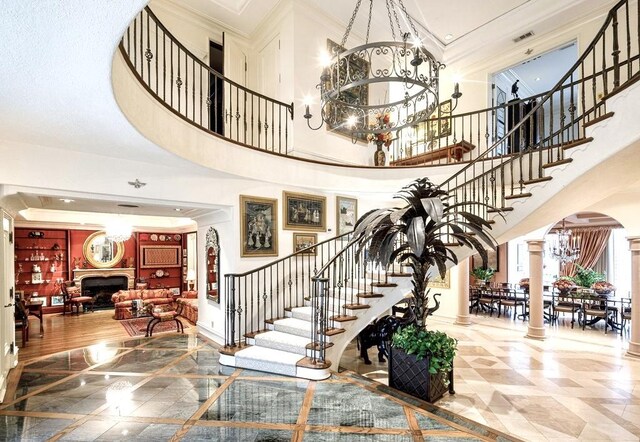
(80, 274)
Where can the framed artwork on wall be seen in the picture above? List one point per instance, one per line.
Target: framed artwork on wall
(42, 299)
(346, 214)
(303, 241)
(440, 283)
(57, 300)
(258, 226)
(493, 259)
(304, 212)
(159, 256)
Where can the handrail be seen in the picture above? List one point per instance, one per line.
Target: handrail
(257, 296)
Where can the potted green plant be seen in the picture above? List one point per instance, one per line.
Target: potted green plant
(586, 277)
(483, 274)
(420, 235)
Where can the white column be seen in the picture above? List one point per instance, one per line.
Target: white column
(634, 340)
(536, 304)
(463, 317)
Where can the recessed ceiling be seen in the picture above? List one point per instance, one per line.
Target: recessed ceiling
(243, 16)
(33, 207)
(588, 219)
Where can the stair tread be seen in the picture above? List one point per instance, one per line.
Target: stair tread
(280, 337)
(268, 354)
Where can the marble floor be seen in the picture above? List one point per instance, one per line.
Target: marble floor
(171, 387)
(574, 385)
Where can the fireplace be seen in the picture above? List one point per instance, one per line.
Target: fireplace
(101, 289)
(102, 283)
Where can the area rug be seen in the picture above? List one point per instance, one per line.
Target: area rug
(138, 326)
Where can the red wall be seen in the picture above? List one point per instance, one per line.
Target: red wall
(78, 238)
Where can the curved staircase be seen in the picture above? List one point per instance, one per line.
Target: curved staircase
(307, 336)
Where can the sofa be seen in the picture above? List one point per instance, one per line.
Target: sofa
(187, 305)
(123, 300)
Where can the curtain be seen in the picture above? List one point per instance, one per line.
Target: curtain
(593, 241)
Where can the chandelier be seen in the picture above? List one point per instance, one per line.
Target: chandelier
(566, 246)
(402, 64)
(118, 231)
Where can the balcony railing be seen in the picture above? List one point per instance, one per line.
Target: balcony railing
(198, 94)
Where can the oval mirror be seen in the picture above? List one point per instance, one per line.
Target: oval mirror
(101, 252)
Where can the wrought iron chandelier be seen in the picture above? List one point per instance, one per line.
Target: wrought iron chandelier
(566, 246)
(346, 78)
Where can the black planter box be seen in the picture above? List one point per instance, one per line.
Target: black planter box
(412, 377)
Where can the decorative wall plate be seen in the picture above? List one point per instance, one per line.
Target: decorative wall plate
(162, 238)
(153, 237)
(177, 237)
(159, 273)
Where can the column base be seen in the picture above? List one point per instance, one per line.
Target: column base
(463, 320)
(634, 349)
(536, 333)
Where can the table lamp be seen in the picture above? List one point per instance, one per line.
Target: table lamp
(191, 277)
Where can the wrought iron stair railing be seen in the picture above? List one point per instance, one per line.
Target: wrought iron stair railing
(604, 68)
(335, 280)
(198, 94)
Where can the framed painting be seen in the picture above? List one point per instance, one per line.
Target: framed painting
(258, 226)
(440, 283)
(493, 259)
(359, 68)
(302, 241)
(442, 127)
(346, 214)
(304, 212)
(159, 256)
(57, 300)
(42, 299)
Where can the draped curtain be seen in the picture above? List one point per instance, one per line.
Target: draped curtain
(593, 241)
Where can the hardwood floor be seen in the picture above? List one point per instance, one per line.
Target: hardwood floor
(68, 332)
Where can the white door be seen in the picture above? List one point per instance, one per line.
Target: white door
(269, 62)
(8, 358)
(237, 104)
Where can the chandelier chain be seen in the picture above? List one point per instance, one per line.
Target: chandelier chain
(353, 17)
(369, 22)
(408, 17)
(395, 15)
(393, 31)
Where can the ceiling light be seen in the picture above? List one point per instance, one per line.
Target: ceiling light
(348, 74)
(537, 78)
(66, 200)
(118, 231)
(177, 209)
(448, 37)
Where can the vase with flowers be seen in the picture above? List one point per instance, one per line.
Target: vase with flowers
(380, 139)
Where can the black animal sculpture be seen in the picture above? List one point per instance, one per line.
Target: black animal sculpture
(380, 331)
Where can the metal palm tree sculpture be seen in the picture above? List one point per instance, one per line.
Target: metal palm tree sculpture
(420, 235)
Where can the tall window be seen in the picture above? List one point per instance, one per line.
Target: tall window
(619, 263)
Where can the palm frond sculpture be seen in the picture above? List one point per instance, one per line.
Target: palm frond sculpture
(420, 235)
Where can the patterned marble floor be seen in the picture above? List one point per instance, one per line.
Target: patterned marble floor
(171, 388)
(575, 385)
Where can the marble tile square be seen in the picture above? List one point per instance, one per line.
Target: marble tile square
(350, 406)
(14, 428)
(354, 437)
(510, 377)
(88, 431)
(202, 362)
(259, 401)
(140, 361)
(202, 433)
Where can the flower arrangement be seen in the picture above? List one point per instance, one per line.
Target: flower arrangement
(381, 122)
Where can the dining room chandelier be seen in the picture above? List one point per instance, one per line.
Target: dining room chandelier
(387, 66)
(565, 247)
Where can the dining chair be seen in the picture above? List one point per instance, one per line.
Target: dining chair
(625, 313)
(488, 300)
(21, 317)
(565, 304)
(509, 299)
(600, 308)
